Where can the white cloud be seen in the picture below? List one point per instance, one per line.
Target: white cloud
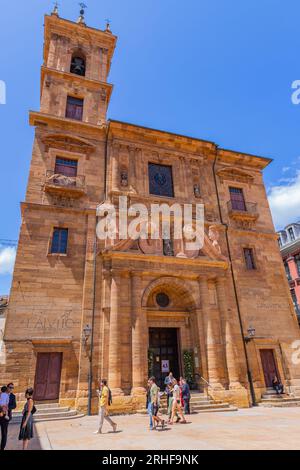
(284, 200)
(7, 259)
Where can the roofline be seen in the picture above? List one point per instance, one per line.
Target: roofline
(162, 131)
(267, 159)
(85, 26)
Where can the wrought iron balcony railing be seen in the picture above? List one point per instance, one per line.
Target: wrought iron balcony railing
(240, 210)
(62, 183)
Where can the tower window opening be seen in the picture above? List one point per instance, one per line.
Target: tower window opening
(78, 65)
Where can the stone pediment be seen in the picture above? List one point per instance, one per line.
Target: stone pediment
(210, 251)
(68, 142)
(234, 174)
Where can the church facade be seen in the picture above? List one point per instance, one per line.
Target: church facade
(82, 308)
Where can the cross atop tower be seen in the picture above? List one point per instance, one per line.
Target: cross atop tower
(55, 9)
(83, 7)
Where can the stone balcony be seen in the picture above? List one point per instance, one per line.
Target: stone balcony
(246, 212)
(72, 186)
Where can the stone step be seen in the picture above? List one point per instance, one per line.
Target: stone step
(55, 414)
(278, 400)
(280, 404)
(76, 416)
(52, 410)
(41, 406)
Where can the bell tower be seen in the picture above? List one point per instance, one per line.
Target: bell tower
(77, 61)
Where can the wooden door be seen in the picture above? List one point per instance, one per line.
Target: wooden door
(163, 346)
(47, 376)
(269, 366)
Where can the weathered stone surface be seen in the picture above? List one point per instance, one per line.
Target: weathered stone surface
(54, 297)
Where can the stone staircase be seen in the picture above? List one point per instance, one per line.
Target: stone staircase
(270, 399)
(200, 403)
(50, 412)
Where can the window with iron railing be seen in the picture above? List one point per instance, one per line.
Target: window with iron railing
(66, 167)
(237, 199)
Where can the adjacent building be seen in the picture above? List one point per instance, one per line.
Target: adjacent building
(82, 308)
(289, 242)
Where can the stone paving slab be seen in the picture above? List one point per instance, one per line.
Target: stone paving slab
(256, 428)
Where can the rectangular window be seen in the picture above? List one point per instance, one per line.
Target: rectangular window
(74, 108)
(59, 243)
(249, 258)
(160, 180)
(291, 234)
(237, 199)
(66, 167)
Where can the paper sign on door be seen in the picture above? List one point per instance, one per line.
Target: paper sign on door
(165, 366)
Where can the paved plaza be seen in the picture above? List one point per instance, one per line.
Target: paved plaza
(256, 428)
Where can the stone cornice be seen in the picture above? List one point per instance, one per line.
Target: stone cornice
(166, 260)
(48, 207)
(37, 118)
(183, 144)
(74, 79)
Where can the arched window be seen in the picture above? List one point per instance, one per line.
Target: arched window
(78, 64)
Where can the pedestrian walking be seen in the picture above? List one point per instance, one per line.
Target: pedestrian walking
(149, 405)
(176, 405)
(154, 396)
(186, 396)
(105, 400)
(26, 428)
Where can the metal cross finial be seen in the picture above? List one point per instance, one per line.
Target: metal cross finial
(55, 9)
(83, 7)
(108, 24)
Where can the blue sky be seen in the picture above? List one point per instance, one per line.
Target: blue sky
(215, 69)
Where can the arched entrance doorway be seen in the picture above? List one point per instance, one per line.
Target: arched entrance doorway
(173, 333)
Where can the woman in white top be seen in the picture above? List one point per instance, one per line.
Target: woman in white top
(176, 405)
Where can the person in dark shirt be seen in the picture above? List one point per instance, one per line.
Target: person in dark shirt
(12, 405)
(277, 385)
(186, 395)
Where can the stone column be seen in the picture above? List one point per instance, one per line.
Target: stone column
(114, 371)
(139, 338)
(230, 354)
(211, 321)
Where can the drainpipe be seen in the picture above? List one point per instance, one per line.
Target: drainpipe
(249, 375)
(90, 376)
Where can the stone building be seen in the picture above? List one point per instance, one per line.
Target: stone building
(81, 308)
(3, 310)
(289, 242)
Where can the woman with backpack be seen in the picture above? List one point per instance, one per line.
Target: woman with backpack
(105, 400)
(26, 429)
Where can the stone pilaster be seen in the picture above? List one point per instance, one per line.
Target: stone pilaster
(211, 321)
(114, 366)
(139, 338)
(230, 353)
